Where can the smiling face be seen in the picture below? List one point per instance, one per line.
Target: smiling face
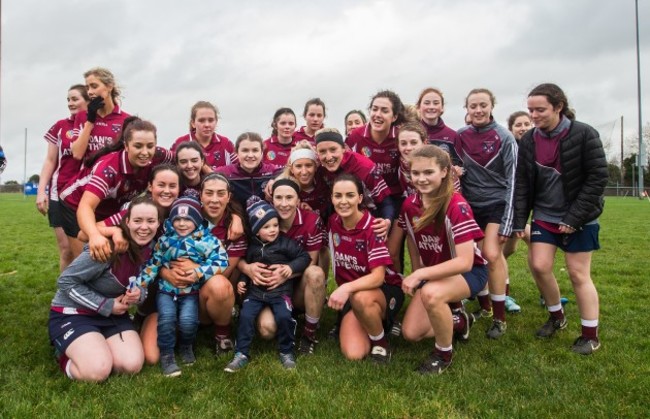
(164, 188)
(143, 223)
(543, 114)
(270, 230)
(204, 123)
(346, 199)
(140, 148)
(190, 163)
(249, 154)
(76, 102)
(431, 108)
(353, 121)
(427, 175)
(314, 118)
(214, 198)
(304, 171)
(520, 126)
(381, 114)
(183, 226)
(479, 109)
(330, 154)
(285, 201)
(408, 141)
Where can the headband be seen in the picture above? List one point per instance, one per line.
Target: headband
(285, 182)
(215, 176)
(302, 153)
(330, 136)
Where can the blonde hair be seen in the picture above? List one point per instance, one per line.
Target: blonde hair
(105, 76)
(435, 212)
(300, 145)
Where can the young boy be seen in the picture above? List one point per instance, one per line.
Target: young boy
(184, 237)
(288, 260)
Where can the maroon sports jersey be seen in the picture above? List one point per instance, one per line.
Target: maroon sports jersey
(113, 180)
(300, 134)
(318, 198)
(235, 249)
(385, 155)
(356, 252)
(438, 244)
(60, 135)
(480, 144)
(219, 152)
(277, 153)
(105, 130)
(307, 230)
(363, 168)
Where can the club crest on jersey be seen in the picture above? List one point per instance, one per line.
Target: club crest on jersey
(69, 134)
(108, 172)
(393, 154)
(366, 151)
(337, 239)
(360, 245)
(444, 147)
(463, 208)
(270, 155)
(488, 146)
(116, 127)
(217, 155)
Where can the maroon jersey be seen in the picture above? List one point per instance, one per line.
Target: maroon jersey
(318, 198)
(307, 230)
(445, 138)
(105, 130)
(385, 155)
(356, 252)
(277, 153)
(363, 168)
(404, 175)
(438, 244)
(302, 135)
(113, 180)
(218, 153)
(480, 144)
(60, 135)
(235, 249)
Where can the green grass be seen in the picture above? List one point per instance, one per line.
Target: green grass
(517, 376)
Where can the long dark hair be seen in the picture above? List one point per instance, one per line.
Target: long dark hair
(133, 250)
(396, 104)
(233, 207)
(130, 124)
(555, 97)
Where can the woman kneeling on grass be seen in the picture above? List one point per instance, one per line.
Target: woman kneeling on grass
(448, 266)
(368, 295)
(89, 322)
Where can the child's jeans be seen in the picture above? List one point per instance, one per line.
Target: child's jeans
(282, 311)
(176, 311)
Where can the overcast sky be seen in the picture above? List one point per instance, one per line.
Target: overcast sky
(252, 57)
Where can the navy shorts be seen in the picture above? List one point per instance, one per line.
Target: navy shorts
(65, 328)
(54, 214)
(488, 215)
(584, 240)
(69, 220)
(394, 300)
(476, 279)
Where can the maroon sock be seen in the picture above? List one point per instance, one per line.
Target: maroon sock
(459, 322)
(455, 305)
(590, 332)
(557, 315)
(383, 342)
(484, 301)
(499, 310)
(221, 332)
(445, 355)
(310, 329)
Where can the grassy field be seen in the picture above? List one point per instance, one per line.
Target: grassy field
(516, 376)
